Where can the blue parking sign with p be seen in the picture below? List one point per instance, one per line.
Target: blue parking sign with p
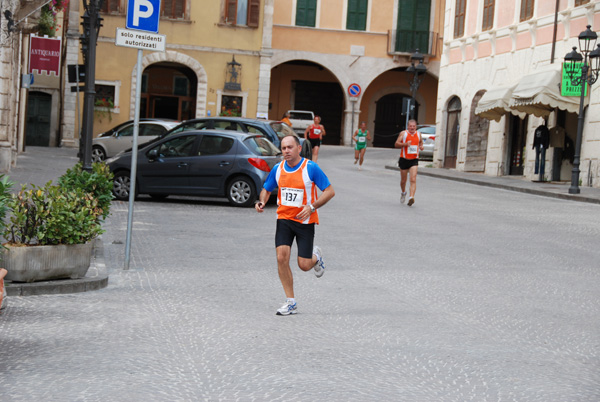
(143, 15)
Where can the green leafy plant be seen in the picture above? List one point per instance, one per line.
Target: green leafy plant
(48, 23)
(71, 212)
(5, 195)
(103, 108)
(49, 215)
(230, 113)
(98, 182)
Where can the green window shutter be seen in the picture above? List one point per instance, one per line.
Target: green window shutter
(412, 31)
(306, 13)
(357, 15)
(422, 15)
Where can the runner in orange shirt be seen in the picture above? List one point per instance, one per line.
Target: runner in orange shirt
(314, 133)
(296, 180)
(410, 143)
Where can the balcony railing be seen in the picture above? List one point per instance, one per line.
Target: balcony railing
(402, 41)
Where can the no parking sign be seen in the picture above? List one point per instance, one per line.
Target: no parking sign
(354, 89)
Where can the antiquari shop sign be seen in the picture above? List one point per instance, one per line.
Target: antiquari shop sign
(44, 55)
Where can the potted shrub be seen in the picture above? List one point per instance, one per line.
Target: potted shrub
(51, 228)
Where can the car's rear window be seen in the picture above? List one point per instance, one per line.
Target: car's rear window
(301, 116)
(281, 129)
(261, 146)
(427, 130)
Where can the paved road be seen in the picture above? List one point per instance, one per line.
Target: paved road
(473, 293)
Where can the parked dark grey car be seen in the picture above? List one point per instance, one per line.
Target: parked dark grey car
(202, 163)
(273, 130)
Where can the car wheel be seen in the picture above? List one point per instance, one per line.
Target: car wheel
(98, 154)
(306, 151)
(121, 185)
(241, 192)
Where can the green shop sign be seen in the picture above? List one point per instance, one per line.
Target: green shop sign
(566, 88)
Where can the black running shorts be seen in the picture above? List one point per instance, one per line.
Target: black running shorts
(315, 142)
(405, 164)
(304, 233)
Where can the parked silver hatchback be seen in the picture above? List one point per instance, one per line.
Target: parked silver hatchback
(120, 138)
(428, 134)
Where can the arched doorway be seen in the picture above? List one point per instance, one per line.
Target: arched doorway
(39, 111)
(168, 91)
(304, 85)
(477, 139)
(390, 118)
(452, 132)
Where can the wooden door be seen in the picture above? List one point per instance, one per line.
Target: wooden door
(37, 129)
(452, 133)
(477, 139)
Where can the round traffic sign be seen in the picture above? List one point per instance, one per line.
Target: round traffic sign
(354, 89)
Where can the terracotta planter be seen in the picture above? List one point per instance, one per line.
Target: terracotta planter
(41, 263)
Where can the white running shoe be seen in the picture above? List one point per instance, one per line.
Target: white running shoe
(319, 267)
(403, 197)
(287, 309)
(411, 201)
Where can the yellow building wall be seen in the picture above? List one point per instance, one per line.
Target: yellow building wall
(330, 36)
(203, 38)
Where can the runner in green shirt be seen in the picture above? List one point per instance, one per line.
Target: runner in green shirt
(360, 137)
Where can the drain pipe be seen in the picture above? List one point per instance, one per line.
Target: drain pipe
(554, 33)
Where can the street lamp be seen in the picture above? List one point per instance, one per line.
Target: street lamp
(91, 29)
(419, 73)
(588, 75)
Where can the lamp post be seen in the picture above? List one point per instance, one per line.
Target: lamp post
(418, 72)
(590, 65)
(91, 28)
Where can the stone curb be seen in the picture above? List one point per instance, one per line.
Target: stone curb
(97, 278)
(563, 196)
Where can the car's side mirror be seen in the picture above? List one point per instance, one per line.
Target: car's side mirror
(153, 155)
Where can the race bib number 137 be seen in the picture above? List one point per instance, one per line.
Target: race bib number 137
(292, 197)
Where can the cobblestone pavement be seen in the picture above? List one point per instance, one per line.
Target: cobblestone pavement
(473, 293)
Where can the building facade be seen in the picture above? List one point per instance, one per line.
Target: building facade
(321, 47)
(16, 20)
(493, 54)
(211, 64)
(252, 58)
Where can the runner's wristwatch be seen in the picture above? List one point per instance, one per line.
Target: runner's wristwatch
(312, 208)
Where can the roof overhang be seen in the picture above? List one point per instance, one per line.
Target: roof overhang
(538, 93)
(494, 104)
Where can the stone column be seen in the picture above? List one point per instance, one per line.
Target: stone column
(9, 87)
(350, 122)
(264, 76)
(71, 116)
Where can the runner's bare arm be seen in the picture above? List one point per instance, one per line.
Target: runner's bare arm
(262, 200)
(399, 143)
(306, 132)
(322, 131)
